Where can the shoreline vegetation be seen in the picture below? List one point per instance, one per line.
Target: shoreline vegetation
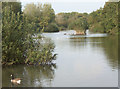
(103, 20)
(18, 31)
(19, 28)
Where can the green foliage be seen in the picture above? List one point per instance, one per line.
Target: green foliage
(16, 6)
(105, 19)
(73, 20)
(40, 15)
(52, 28)
(118, 17)
(79, 24)
(12, 36)
(41, 53)
(0, 31)
(48, 13)
(18, 43)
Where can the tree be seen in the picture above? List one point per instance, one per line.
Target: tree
(40, 15)
(14, 6)
(18, 43)
(73, 20)
(105, 19)
(52, 27)
(13, 36)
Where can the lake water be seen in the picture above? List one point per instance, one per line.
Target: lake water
(82, 61)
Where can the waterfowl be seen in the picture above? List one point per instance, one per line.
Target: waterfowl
(15, 80)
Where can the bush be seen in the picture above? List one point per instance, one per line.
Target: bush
(42, 53)
(52, 27)
(18, 43)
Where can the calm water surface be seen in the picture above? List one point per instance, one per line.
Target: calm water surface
(82, 61)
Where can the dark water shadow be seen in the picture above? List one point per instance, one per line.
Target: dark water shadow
(109, 46)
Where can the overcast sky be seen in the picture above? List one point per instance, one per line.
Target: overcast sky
(70, 5)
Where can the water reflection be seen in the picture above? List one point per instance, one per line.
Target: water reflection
(32, 76)
(111, 49)
(85, 62)
(108, 45)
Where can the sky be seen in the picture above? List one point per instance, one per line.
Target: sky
(80, 6)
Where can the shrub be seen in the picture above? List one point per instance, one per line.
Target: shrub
(52, 27)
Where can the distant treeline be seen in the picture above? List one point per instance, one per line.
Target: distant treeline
(73, 20)
(42, 18)
(103, 20)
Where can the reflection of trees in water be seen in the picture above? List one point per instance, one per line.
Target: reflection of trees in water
(111, 49)
(32, 76)
(78, 42)
(108, 44)
(42, 75)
